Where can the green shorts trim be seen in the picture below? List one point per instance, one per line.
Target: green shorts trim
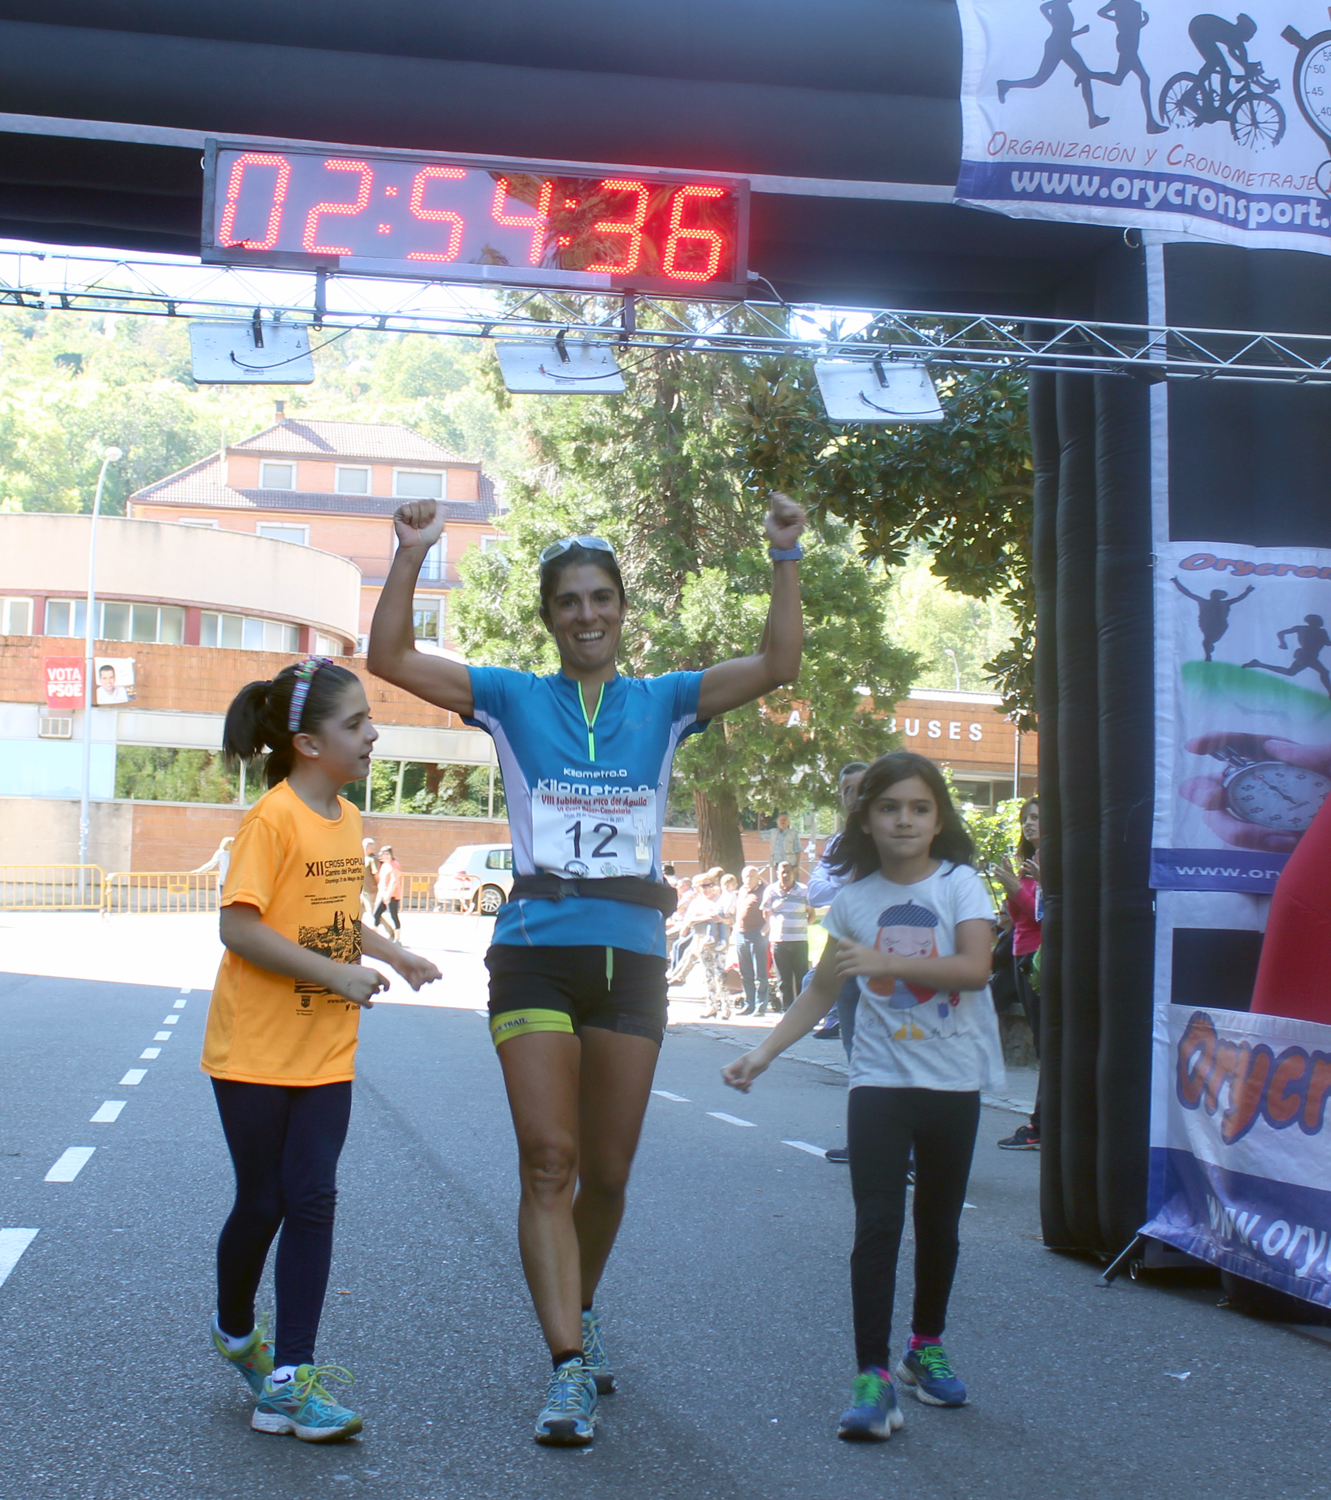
(518, 1022)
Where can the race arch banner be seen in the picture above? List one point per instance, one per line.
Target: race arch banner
(1243, 711)
(1173, 118)
(1240, 1175)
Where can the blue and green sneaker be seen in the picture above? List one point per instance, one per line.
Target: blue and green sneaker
(929, 1372)
(253, 1361)
(594, 1358)
(302, 1405)
(873, 1414)
(568, 1418)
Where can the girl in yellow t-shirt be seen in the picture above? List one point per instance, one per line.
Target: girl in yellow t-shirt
(281, 1036)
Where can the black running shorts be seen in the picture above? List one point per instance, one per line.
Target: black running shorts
(565, 989)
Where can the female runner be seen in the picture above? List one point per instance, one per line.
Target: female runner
(577, 965)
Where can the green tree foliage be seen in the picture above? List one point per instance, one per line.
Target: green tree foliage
(961, 488)
(148, 774)
(928, 618)
(657, 473)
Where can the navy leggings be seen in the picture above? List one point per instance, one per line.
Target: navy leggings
(284, 1145)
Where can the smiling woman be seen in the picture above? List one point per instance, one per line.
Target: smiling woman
(577, 967)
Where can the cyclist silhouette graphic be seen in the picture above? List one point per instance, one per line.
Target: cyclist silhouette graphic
(1313, 640)
(1212, 613)
(1059, 49)
(1129, 18)
(1209, 34)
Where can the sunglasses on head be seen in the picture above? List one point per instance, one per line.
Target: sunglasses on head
(557, 549)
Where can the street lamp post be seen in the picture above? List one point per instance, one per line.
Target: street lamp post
(111, 455)
(956, 665)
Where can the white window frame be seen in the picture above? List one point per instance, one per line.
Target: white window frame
(340, 469)
(434, 569)
(489, 543)
(443, 483)
(186, 521)
(286, 463)
(6, 604)
(286, 526)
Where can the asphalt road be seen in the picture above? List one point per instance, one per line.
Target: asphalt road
(726, 1305)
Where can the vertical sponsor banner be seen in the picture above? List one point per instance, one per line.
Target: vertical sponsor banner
(1243, 711)
(1240, 1172)
(64, 683)
(1172, 118)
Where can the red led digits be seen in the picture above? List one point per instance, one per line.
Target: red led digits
(338, 164)
(535, 222)
(255, 159)
(632, 228)
(436, 215)
(712, 238)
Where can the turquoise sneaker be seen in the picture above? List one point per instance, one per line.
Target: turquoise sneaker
(302, 1405)
(568, 1418)
(594, 1358)
(929, 1372)
(873, 1414)
(253, 1361)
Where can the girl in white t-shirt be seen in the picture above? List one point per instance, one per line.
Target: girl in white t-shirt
(914, 926)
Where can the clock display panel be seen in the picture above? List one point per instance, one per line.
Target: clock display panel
(432, 217)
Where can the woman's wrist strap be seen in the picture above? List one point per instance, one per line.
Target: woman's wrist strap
(786, 554)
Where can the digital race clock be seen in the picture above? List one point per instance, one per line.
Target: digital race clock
(430, 217)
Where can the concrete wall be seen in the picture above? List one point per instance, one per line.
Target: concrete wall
(45, 831)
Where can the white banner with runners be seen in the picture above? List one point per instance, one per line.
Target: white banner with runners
(1216, 125)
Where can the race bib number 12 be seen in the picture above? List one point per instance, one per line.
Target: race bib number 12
(593, 836)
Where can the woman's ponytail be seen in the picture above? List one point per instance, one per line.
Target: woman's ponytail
(258, 716)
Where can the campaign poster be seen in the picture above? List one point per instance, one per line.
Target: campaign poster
(1243, 711)
(114, 680)
(1240, 1175)
(1176, 118)
(64, 683)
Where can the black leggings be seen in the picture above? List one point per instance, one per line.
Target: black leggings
(392, 908)
(882, 1125)
(284, 1145)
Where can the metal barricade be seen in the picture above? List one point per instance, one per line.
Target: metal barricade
(418, 892)
(137, 891)
(51, 887)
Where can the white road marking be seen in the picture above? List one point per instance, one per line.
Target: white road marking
(674, 1098)
(13, 1242)
(805, 1146)
(70, 1164)
(179, 1005)
(185, 990)
(162, 1036)
(968, 1205)
(717, 1114)
(135, 1075)
(149, 1053)
(484, 1013)
(170, 1020)
(109, 1112)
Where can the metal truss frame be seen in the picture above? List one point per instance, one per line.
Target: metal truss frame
(178, 287)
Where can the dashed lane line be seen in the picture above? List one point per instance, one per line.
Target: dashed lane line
(13, 1242)
(718, 1114)
(170, 1020)
(108, 1113)
(805, 1146)
(179, 1005)
(162, 1036)
(674, 1098)
(135, 1075)
(70, 1164)
(149, 1054)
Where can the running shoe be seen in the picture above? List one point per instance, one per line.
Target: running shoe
(594, 1358)
(303, 1405)
(840, 1154)
(568, 1418)
(929, 1372)
(253, 1361)
(1023, 1138)
(873, 1414)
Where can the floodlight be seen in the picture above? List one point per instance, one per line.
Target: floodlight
(861, 390)
(559, 368)
(254, 353)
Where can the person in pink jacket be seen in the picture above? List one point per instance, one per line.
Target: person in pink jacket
(1023, 892)
(390, 894)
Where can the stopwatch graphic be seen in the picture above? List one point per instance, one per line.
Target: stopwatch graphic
(1272, 793)
(1312, 88)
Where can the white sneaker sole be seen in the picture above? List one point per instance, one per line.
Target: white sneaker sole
(563, 1433)
(919, 1392)
(894, 1422)
(280, 1426)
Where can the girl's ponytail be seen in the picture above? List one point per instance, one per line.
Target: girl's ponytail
(259, 714)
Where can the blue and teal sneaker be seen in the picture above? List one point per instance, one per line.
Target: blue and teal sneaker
(302, 1405)
(253, 1361)
(568, 1418)
(873, 1414)
(929, 1372)
(594, 1358)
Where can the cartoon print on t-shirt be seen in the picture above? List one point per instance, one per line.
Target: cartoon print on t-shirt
(340, 941)
(909, 931)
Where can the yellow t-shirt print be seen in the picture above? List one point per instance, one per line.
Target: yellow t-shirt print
(304, 874)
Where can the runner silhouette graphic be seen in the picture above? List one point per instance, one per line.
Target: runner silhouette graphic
(1313, 640)
(1059, 49)
(1212, 613)
(1129, 18)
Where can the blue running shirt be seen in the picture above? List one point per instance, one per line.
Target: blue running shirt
(586, 794)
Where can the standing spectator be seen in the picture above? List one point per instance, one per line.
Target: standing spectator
(824, 883)
(751, 942)
(369, 886)
(677, 926)
(390, 893)
(221, 862)
(707, 917)
(787, 906)
(1023, 898)
(785, 846)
